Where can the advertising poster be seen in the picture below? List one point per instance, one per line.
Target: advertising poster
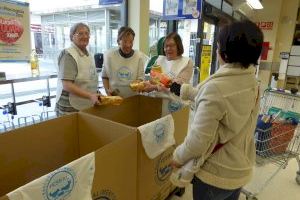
(189, 7)
(14, 31)
(205, 62)
(171, 7)
(182, 9)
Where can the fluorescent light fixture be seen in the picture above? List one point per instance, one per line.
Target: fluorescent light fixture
(255, 4)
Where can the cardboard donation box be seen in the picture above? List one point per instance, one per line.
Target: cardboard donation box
(77, 156)
(139, 111)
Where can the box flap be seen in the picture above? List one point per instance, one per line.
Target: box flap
(116, 170)
(149, 109)
(117, 113)
(30, 152)
(181, 121)
(95, 132)
(4, 198)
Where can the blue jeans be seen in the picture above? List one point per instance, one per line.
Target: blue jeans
(203, 191)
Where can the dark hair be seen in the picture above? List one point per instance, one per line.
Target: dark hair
(124, 31)
(178, 42)
(240, 42)
(75, 27)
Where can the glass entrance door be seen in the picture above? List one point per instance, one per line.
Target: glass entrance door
(187, 29)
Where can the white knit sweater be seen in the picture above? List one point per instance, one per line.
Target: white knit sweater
(226, 109)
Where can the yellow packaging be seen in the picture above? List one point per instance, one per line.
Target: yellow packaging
(156, 68)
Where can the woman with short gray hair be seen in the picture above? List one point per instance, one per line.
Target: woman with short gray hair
(77, 79)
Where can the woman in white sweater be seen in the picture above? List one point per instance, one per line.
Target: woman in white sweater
(221, 136)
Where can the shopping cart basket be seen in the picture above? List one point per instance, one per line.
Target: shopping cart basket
(277, 137)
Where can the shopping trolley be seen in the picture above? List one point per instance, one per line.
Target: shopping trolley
(277, 138)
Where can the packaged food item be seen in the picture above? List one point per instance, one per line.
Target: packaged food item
(160, 78)
(137, 85)
(111, 100)
(156, 68)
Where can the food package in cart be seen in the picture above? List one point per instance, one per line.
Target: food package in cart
(158, 77)
(263, 134)
(281, 135)
(274, 133)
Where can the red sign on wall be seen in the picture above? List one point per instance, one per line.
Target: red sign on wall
(265, 51)
(265, 25)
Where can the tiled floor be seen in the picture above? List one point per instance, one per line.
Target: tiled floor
(281, 187)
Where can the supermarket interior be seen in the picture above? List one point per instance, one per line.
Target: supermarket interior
(149, 99)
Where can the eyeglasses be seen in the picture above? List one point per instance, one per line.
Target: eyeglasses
(170, 46)
(81, 34)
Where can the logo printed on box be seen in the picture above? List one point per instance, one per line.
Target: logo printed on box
(124, 73)
(159, 132)
(104, 195)
(163, 168)
(59, 184)
(173, 106)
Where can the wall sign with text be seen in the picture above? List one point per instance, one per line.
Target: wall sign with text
(182, 9)
(265, 25)
(205, 62)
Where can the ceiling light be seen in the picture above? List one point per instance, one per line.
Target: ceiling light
(255, 4)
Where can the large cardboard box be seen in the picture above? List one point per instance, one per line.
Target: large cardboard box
(153, 174)
(30, 152)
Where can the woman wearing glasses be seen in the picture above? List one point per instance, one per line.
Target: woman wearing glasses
(77, 79)
(179, 68)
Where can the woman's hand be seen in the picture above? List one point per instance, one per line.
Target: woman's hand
(152, 86)
(149, 87)
(94, 97)
(175, 164)
(108, 92)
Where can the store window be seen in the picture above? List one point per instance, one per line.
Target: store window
(103, 22)
(187, 29)
(51, 22)
(157, 26)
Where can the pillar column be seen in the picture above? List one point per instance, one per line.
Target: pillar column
(138, 20)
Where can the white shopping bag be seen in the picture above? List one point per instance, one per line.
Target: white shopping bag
(157, 136)
(183, 176)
